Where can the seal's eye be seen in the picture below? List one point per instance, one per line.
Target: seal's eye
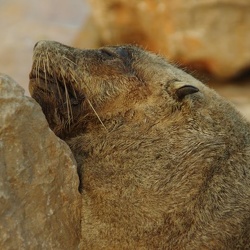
(107, 54)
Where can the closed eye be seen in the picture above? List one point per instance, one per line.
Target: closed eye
(107, 54)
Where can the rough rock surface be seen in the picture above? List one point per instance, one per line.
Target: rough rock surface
(39, 199)
(211, 34)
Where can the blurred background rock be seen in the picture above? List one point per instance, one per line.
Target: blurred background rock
(24, 22)
(208, 37)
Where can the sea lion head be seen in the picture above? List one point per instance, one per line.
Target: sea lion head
(76, 87)
(103, 89)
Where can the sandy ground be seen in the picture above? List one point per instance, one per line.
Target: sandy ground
(24, 22)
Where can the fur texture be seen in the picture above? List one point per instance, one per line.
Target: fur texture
(164, 161)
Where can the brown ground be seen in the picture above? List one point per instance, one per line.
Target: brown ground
(24, 22)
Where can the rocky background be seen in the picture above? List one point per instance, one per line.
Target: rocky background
(39, 198)
(210, 35)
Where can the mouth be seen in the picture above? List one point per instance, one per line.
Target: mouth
(62, 90)
(61, 101)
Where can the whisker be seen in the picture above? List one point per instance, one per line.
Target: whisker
(58, 88)
(69, 60)
(96, 114)
(45, 74)
(47, 61)
(38, 64)
(91, 106)
(72, 76)
(68, 103)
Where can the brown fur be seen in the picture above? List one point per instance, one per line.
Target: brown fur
(164, 160)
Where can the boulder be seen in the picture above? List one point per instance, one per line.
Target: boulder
(39, 198)
(210, 35)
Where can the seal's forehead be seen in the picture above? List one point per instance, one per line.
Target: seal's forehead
(136, 53)
(160, 66)
(145, 63)
(137, 59)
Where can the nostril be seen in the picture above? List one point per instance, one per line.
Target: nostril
(39, 43)
(35, 45)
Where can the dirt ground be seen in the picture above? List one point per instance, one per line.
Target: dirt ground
(24, 22)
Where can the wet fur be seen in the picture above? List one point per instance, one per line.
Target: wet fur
(164, 161)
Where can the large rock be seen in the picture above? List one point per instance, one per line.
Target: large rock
(213, 34)
(39, 198)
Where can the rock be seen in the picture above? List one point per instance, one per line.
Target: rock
(39, 198)
(212, 35)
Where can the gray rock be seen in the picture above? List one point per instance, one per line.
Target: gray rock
(39, 198)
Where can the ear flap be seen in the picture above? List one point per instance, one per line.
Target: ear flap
(185, 90)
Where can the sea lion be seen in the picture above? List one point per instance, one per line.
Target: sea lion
(163, 159)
